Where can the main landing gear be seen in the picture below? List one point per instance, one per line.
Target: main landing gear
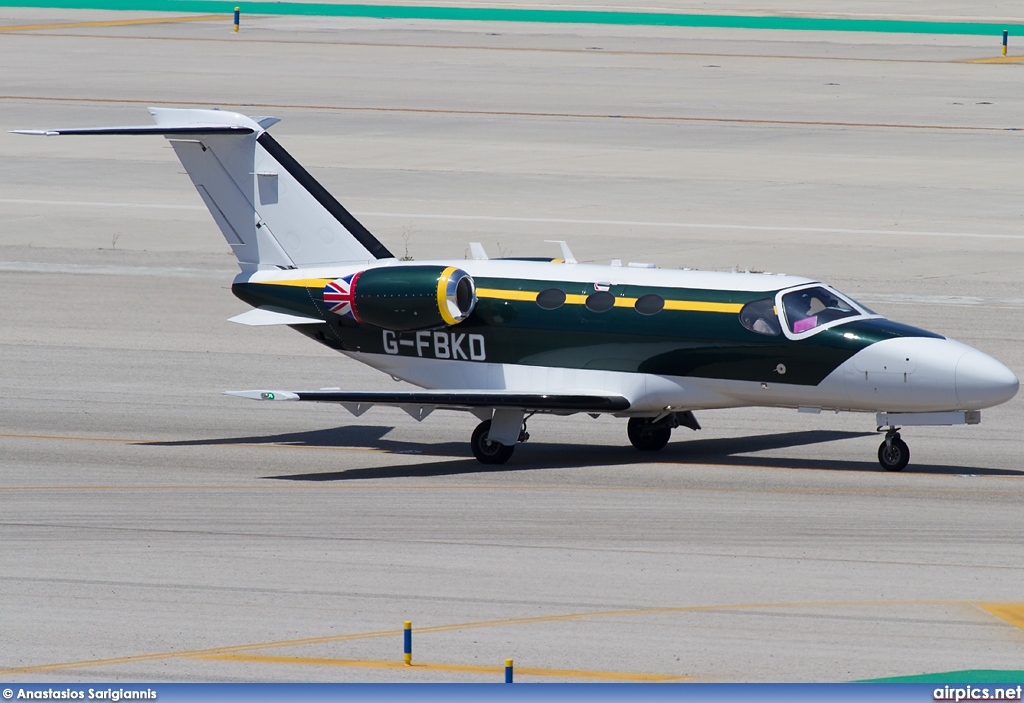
(649, 434)
(490, 452)
(893, 453)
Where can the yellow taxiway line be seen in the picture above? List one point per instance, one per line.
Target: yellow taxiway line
(428, 666)
(997, 59)
(1011, 612)
(112, 23)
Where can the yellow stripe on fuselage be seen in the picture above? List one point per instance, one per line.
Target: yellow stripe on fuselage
(527, 295)
(298, 283)
(702, 306)
(575, 299)
(531, 296)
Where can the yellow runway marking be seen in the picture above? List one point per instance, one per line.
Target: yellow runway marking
(1012, 613)
(113, 23)
(266, 445)
(517, 113)
(79, 439)
(426, 666)
(568, 617)
(997, 59)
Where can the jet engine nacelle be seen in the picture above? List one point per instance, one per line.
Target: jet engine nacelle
(403, 298)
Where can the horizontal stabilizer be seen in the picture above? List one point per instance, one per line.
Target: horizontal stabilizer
(141, 129)
(269, 315)
(454, 400)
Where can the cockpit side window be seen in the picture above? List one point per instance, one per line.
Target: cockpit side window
(810, 308)
(759, 316)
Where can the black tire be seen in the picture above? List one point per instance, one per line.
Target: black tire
(487, 452)
(645, 436)
(894, 456)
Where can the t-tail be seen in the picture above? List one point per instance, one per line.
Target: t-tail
(272, 212)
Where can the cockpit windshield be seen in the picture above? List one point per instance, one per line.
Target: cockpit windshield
(808, 309)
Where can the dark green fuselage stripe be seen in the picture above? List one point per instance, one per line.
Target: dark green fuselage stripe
(669, 343)
(663, 19)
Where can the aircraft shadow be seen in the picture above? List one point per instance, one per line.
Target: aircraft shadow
(360, 436)
(539, 456)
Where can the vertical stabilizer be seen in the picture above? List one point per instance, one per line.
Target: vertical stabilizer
(272, 212)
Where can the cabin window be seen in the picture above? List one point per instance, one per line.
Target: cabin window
(650, 304)
(551, 299)
(600, 301)
(760, 316)
(810, 308)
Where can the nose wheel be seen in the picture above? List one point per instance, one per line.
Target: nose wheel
(893, 453)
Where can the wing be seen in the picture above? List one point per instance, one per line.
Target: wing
(419, 404)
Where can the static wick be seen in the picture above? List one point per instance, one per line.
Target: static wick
(408, 643)
(1006, 34)
(508, 671)
(238, 13)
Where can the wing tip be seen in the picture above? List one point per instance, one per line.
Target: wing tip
(264, 395)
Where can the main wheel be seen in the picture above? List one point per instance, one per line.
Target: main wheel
(486, 451)
(894, 455)
(645, 436)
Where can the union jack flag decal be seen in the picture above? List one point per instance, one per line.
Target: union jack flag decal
(339, 296)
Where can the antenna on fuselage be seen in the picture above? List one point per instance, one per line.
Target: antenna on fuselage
(567, 256)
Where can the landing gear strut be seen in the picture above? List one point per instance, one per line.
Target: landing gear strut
(649, 434)
(893, 453)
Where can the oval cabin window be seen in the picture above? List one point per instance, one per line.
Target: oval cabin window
(649, 304)
(551, 299)
(600, 301)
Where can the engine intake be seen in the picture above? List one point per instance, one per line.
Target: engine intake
(403, 298)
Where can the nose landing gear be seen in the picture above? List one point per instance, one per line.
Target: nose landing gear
(893, 453)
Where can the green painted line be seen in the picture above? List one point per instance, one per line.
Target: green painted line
(953, 677)
(662, 19)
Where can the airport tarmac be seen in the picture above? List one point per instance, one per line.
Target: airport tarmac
(154, 529)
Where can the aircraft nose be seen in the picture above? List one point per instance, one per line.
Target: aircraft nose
(982, 382)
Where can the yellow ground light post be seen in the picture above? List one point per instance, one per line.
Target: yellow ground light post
(408, 643)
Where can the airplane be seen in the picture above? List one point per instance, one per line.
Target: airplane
(508, 338)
